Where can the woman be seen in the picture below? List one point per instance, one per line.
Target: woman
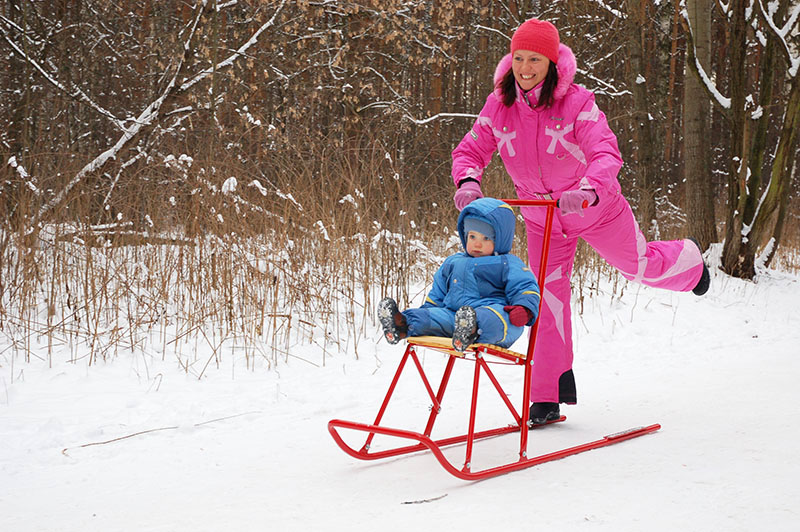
(556, 143)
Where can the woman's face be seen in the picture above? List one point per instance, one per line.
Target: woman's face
(530, 68)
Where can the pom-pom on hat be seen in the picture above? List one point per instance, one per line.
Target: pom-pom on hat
(537, 36)
(479, 226)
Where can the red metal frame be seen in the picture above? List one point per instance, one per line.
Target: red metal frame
(478, 352)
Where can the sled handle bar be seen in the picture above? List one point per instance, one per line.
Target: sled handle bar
(539, 202)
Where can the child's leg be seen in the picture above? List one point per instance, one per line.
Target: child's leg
(432, 321)
(495, 328)
(392, 321)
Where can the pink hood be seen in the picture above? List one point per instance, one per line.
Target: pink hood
(566, 67)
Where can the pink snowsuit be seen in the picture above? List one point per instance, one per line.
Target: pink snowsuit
(547, 151)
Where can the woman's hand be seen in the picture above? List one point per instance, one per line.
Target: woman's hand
(574, 201)
(468, 191)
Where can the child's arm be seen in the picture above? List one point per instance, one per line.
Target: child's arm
(521, 287)
(435, 297)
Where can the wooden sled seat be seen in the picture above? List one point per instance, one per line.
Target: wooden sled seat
(445, 345)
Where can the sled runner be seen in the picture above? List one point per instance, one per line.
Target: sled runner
(481, 355)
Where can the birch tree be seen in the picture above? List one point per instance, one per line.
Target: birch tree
(758, 33)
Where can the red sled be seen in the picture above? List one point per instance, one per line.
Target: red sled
(481, 355)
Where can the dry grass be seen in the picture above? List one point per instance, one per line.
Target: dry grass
(295, 256)
(251, 267)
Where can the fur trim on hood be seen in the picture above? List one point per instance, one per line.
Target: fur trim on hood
(566, 66)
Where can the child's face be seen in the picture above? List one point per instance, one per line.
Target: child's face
(479, 245)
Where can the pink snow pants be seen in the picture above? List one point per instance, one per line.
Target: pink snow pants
(611, 229)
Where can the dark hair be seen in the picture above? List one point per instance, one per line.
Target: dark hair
(508, 87)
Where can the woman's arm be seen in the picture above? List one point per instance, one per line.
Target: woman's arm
(475, 151)
(599, 145)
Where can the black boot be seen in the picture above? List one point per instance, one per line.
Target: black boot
(466, 331)
(393, 322)
(542, 413)
(705, 278)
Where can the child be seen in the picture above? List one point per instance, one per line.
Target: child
(482, 295)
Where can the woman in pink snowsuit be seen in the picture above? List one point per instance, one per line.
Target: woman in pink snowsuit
(555, 143)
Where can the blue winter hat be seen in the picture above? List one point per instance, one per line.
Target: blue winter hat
(479, 226)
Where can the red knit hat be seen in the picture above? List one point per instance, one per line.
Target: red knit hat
(537, 36)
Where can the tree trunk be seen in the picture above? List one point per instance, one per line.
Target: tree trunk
(643, 124)
(670, 135)
(737, 254)
(696, 119)
(772, 210)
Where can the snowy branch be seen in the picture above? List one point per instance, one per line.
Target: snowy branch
(615, 12)
(77, 93)
(417, 121)
(151, 113)
(438, 116)
(145, 118)
(694, 62)
(28, 179)
(236, 55)
(782, 33)
(609, 89)
(493, 30)
(388, 85)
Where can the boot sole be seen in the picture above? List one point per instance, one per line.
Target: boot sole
(466, 329)
(387, 308)
(552, 416)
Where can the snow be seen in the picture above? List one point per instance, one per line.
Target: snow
(136, 443)
(229, 186)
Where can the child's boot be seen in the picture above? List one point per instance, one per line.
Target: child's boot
(466, 330)
(392, 320)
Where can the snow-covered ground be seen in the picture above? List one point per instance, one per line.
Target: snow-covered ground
(136, 444)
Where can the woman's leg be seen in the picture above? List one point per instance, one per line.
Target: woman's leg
(552, 380)
(670, 264)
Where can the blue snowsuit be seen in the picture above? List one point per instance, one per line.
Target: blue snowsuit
(485, 283)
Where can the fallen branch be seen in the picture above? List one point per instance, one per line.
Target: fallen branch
(92, 444)
(423, 501)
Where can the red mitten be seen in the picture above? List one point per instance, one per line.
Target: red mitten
(518, 315)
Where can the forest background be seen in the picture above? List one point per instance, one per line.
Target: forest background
(266, 169)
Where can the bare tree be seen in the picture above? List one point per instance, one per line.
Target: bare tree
(696, 126)
(768, 225)
(101, 98)
(638, 30)
(753, 206)
(183, 71)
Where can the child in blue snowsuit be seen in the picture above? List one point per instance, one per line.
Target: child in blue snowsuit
(481, 295)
